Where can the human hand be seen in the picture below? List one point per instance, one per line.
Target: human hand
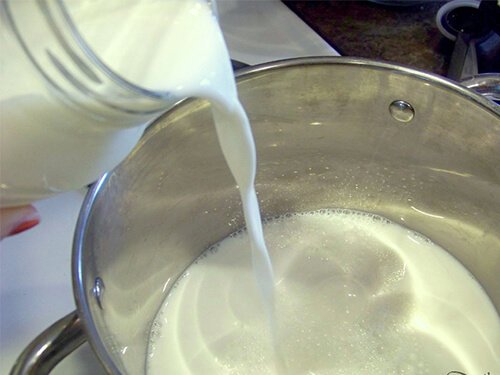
(14, 220)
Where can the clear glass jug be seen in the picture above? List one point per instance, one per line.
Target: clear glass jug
(74, 95)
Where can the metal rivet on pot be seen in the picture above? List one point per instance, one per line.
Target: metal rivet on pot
(402, 111)
(98, 291)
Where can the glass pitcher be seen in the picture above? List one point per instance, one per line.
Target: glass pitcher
(79, 83)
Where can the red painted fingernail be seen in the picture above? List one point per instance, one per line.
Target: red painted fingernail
(25, 225)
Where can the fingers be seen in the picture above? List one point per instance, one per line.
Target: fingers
(14, 220)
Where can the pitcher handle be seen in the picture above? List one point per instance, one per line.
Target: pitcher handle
(50, 347)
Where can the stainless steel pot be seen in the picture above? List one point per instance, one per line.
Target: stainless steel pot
(330, 132)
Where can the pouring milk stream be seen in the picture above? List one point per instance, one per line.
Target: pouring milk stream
(353, 292)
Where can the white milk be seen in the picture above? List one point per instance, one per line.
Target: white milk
(48, 147)
(190, 60)
(355, 294)
(173, 47)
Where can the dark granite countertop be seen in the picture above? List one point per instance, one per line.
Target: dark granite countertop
(400, 34)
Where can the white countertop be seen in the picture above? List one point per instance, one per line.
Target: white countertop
(35, 266)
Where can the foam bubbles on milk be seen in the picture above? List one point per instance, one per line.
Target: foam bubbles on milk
(353, 294)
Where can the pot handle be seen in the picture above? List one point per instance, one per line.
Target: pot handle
(50, 347)
(487, 85)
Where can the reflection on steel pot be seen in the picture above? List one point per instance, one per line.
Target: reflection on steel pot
(397, 142)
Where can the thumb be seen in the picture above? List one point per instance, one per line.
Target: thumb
(15, 220)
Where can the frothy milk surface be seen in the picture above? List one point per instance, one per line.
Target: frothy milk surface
(355, 294)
